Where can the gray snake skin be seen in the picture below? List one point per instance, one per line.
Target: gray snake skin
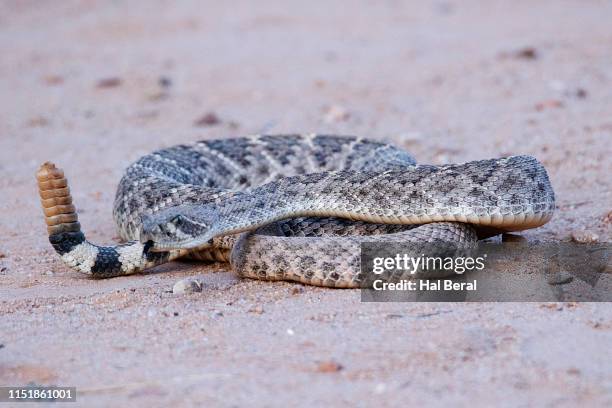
(294, 207)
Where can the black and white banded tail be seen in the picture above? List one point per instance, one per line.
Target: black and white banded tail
(69, 241)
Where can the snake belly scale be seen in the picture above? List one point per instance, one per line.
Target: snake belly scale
(293, 207)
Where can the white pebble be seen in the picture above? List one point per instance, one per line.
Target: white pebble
(187, 286)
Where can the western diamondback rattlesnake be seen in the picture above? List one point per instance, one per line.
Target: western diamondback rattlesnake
(302, 203)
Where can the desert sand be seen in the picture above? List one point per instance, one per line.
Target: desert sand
(93, 85)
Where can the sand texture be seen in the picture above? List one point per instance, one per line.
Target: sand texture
(93, 85)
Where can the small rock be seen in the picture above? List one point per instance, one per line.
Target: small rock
(560, 278)
(290, 332)
(175, 314)
(111, 82)
(296, 290)
(258, 309)
(549, 104)
(336, 113)
(164, 82)
(580, 93)
(329, 367)
(216, 314)
(49, 273)
(584, 237)
(209, 119)
(528, 53)
(1, 346)
(2, 255)
(188, 285)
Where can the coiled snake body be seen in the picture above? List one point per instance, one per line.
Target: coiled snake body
(293, 207)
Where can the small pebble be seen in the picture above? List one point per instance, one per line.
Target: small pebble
(216, 314)
(329, 367)
(209, 119)
(109, 82)
(579, 93)
(188, 285)
(164, 82)
(548, 104)
(584, 237)
(290, 332)
(528, 53)
(297, 290)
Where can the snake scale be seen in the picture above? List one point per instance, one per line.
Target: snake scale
(293, 207)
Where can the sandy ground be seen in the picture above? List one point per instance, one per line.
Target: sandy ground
(94, 85)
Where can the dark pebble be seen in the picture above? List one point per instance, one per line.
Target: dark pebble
(528, 53)
(209, 119)
(109, 82)
(164, 82)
